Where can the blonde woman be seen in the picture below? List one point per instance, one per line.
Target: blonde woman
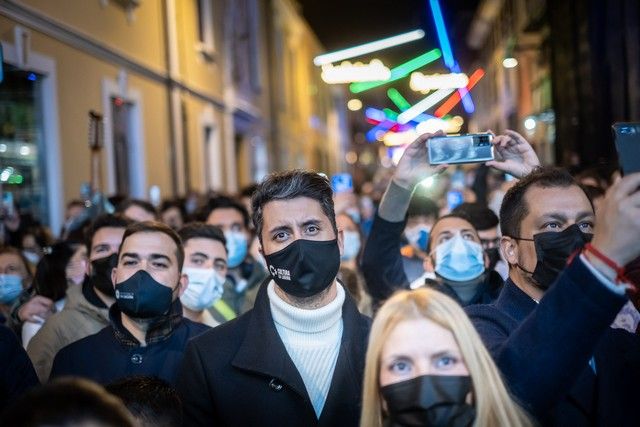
(426, 366)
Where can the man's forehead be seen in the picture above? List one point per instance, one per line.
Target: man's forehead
(570, 202)
(225, 215)
(203, 244)
(292, 211)
(452, 225)
(107, 234)
(148, 242)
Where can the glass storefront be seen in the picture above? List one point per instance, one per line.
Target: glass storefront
(22, 151)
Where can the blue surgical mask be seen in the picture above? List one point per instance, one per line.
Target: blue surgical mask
(418, 236)
(237, 247)
(351, 245)
(205, 288)
(10, 288)
(459, 260)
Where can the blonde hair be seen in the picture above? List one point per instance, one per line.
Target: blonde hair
(494, 406)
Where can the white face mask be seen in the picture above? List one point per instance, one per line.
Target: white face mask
(205, 288)
(351, 245)
(31, 256)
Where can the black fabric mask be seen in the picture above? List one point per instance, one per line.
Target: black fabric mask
(553, 250)
(430, 400)
(305, 267)
(494, 257)
(141, 296)
(100, 277)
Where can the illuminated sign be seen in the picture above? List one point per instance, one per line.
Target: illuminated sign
(399, 72)
(445, 45)
(425, 83)
(398, 99)
(451, 125)
(358, 72)
(395, 139)
(425, 104)
(366, 48)
(375, 115)
(455, 98)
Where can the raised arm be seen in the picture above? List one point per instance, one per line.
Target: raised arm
(381, 261)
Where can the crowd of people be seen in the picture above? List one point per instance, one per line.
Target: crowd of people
(500, 294)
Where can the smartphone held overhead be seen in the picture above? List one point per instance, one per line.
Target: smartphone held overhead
(470, 148)
(627, 137)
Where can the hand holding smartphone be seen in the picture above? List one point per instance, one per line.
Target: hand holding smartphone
(470, 148)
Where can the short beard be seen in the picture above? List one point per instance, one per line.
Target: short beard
(306, 303)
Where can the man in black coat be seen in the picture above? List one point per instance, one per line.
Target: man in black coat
(147, 334)
(296, 358)
(549, 329)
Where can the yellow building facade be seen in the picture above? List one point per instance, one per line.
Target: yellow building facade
(190, 92)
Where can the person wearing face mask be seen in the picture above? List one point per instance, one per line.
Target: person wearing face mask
(86, 309)
(426, 366)
(422, 213)
(487, 224)
(352, 240)
(459, 263)
(147, 333)
(33, 242)
(454, 261)
(245, 273)
(549, 330)
(15, 278)
(298, 356)
(349, 273)
(49, 281)
(205, 264)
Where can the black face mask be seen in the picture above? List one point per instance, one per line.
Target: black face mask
(553, 249)
(141, 296)
(430, 400)
(305, 267)
(100, 277)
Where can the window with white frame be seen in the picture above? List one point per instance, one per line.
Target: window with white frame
(206, 42)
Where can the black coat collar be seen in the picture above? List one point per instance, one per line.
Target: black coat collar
(160, 330)
(263, 352)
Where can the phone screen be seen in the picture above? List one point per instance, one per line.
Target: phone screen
(7, 203)
(627, 138)
(454, 199)
(342, 183)
(472, 148)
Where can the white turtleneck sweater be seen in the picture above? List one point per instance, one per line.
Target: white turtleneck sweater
(312, 339)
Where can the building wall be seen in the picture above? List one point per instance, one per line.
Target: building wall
(308, 114)
(264, 106)
(506, 97)
(141, 38)
(79, 90)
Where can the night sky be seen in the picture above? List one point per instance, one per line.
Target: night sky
(345, 23)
